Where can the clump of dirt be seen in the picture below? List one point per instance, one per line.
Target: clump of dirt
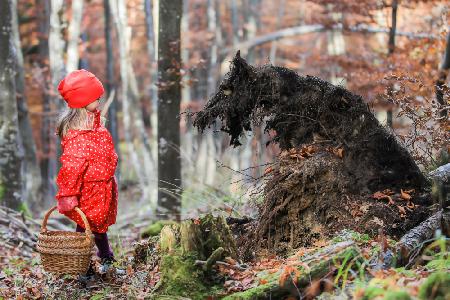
(319, 193)
(309, 199)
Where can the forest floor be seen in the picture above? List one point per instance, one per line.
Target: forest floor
(353, 277)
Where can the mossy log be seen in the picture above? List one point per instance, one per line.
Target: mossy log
(341, 256)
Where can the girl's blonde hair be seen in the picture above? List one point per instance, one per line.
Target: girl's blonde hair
(75, 118)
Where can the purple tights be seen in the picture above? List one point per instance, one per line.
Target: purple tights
(101, 241)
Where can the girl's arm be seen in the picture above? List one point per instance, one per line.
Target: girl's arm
(74, 164)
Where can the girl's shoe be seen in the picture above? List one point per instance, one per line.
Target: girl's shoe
(107, 263)
(90, 274)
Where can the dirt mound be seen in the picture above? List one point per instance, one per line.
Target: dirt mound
(316, 194)
(309, 199)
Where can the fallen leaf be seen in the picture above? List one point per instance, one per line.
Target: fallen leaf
(404, 195)
(268, 170)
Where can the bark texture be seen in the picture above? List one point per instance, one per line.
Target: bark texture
(10, 161)
(169, 96)
(30, 172)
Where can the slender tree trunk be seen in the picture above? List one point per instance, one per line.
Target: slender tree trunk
(30, 173)
(74, 35)
(187, 137)
(10, 162)
(443, 74)
(58, 71)
(391, 49)
(151, 45)
(274, 44)
(48, 188)
(169, 94)
(119, 14)
(110, 85)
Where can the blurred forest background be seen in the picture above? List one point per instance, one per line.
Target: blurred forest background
(394, 53)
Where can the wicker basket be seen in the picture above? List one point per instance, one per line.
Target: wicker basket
(64, 252)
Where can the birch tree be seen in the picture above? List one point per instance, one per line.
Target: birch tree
(10, 161)
(110, 86)
(141, 160)
(169, 94)
(74, 36)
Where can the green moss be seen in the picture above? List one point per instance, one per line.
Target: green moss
(375, 292)
(396, 295)
(259, 292)
(346, 235)
(155, 228)
(23, 207)
(2, 192)
(439, 264)
(180, 276)
(407, 273)
(437, 286)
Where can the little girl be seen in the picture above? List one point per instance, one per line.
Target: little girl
(86, 177)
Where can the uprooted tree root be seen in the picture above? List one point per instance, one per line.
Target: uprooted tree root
(315, 195)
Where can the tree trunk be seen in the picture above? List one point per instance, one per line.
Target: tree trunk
(74, 35)
(48, 187)
(30, 173)
(169, 94)
(58, 71)
(10, 162)
(443, 74)
(391, 49)
(110, 85)
(151, 45)
(119, 13)
(274, 44)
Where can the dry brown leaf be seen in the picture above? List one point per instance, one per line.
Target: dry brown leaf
(380, 196)
(402, 211)
(289, 272)
(268, 170)
(404, 195)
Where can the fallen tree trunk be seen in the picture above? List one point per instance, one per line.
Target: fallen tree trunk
(412, 242)
(17, 232)
(293, 280)
(336, 159)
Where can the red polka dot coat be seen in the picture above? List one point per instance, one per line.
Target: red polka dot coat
(87, 171)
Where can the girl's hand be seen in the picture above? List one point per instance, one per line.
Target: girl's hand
(66, 204)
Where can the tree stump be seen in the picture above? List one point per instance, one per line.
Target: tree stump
(183, 246)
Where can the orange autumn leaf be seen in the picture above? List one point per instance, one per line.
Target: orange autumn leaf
(402, 211)
(404, 195)
(380, 196)
(289, 272)
(268, 170)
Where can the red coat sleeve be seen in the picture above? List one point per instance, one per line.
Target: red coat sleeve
(74, 164)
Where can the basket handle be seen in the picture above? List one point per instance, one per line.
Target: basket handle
(78, 210)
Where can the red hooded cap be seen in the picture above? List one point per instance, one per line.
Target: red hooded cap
(79, 88)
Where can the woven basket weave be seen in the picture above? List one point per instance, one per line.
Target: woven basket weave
(65, 252)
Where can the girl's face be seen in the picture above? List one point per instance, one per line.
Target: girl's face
(93, 105)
